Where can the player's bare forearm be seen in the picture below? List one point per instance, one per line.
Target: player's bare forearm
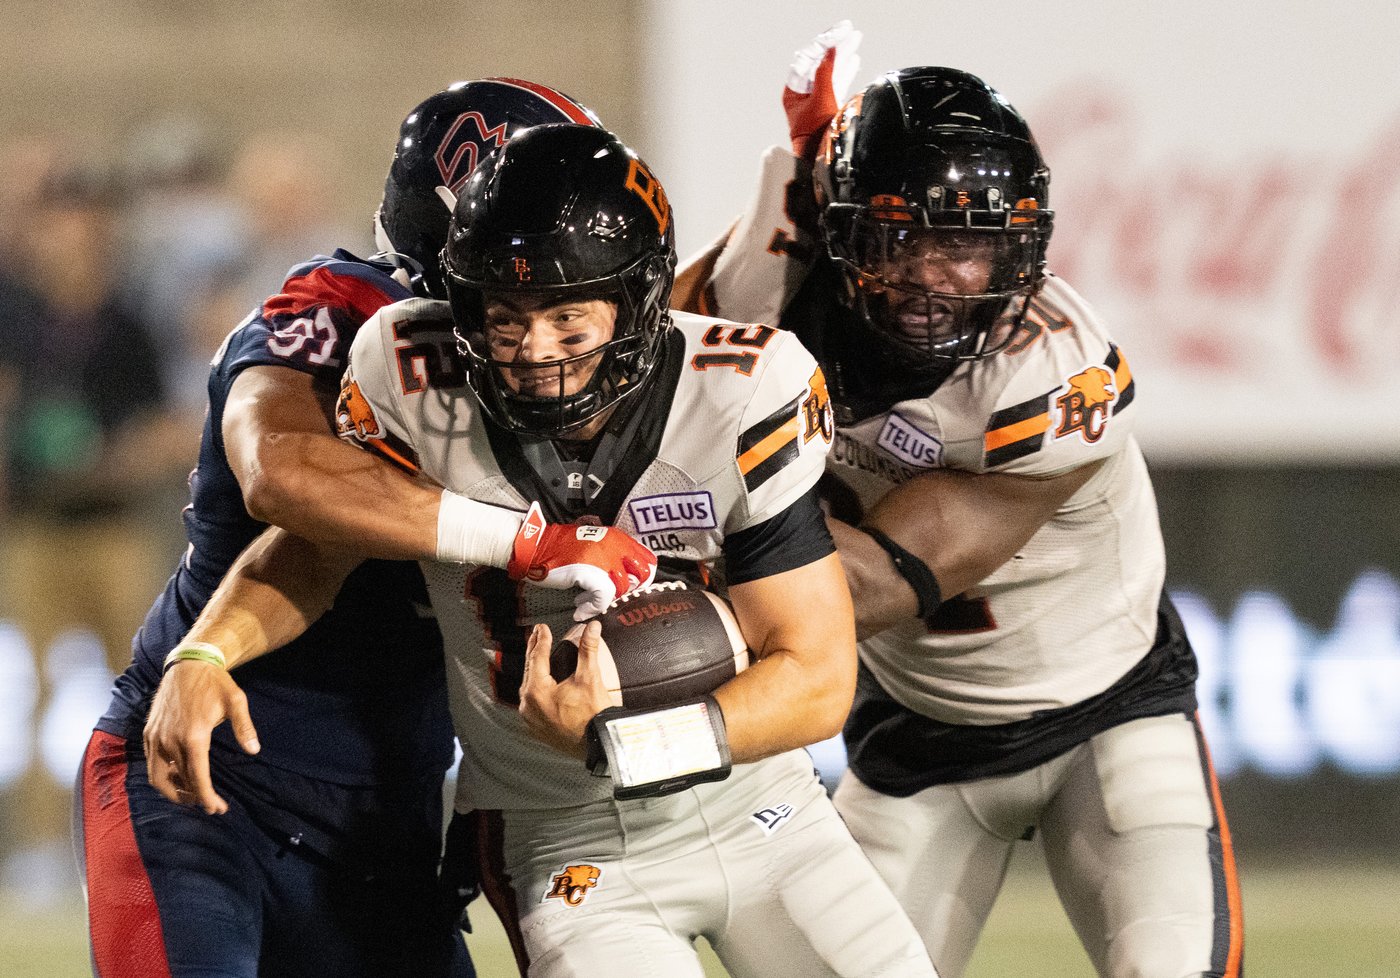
(296, 474)
(278, 586)
(879, 596)
(800, 626)
(963, 525)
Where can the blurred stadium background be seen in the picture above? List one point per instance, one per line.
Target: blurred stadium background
(1225, 182)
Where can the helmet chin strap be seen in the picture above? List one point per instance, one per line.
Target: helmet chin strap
(407, 272)
(446, 195)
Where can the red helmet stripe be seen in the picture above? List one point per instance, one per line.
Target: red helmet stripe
(559, 100)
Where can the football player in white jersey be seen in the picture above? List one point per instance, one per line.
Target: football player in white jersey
(1022, 670)
(557, 375)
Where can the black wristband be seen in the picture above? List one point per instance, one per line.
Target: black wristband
(597, 756)
(912, 569)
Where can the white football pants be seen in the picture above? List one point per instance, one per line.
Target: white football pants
(760, 865)
(1134, 838)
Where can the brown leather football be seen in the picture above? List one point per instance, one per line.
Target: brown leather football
(661, 645)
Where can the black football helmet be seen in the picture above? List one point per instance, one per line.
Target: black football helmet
(562, 212)
(935, 212)
(440, 142)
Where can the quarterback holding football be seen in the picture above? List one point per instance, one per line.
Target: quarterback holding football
(556, 383)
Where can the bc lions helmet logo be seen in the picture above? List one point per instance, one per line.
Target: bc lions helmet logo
(1084, 405)
(466, 140)
(354, 418)
(573, 883)
(644, 185)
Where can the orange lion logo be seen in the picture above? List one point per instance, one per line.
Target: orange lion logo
(353, 415)
(573, 883)
(1084, 406)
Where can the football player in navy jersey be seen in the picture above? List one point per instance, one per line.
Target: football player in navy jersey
(319, 852)
(1023, 673)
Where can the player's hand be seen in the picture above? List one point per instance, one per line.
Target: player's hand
(193, 698)
(604, 563)
(558, 713)
(817, 82)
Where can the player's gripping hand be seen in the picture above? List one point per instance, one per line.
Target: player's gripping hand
(558, 713)
(603, 563)
(193, 698)
(817, 82)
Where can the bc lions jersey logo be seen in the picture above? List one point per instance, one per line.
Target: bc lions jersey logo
(354, 418)
(573, 883)
(817, 417)
(1085, 402)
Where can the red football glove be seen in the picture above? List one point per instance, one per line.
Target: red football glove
(604, 563)
(816, 85)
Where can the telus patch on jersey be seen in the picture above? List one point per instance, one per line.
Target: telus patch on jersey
(678, 511)
(902, 440)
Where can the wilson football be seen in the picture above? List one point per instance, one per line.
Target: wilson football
(661, 645)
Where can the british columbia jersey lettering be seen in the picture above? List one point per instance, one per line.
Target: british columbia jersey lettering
(1077, 607)
(735, 448)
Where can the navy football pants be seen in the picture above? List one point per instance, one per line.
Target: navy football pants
(175, 892)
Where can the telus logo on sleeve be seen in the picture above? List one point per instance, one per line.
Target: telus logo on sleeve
(902, 440)
(678, 511)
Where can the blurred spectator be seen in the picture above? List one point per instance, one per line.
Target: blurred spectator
(285, 183)
(186, 236)
(26, 163)
(210, 225)
(89, 441)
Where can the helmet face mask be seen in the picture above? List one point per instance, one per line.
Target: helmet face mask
(935, 216)
(562, 215)
(934, 294)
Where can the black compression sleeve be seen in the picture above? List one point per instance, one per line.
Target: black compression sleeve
(794, 538)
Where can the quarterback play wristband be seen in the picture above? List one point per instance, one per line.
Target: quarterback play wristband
(198, 652)
(469, 532)
(913, 570)
(654, 752)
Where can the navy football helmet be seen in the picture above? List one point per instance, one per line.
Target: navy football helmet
(935, 212)
(440, 142)
(562, 212)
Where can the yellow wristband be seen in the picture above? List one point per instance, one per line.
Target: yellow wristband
(199, 652)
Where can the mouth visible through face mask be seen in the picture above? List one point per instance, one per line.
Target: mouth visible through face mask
(922, 322)
(547, 380)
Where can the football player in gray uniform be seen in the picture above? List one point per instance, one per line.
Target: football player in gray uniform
(1022, 670)
(557, 381)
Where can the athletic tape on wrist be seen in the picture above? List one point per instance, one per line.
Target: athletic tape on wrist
(197, 652)
(912, 569)
(469, 532)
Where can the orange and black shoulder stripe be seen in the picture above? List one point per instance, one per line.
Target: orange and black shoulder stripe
(768, 446)
(1017, 431)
